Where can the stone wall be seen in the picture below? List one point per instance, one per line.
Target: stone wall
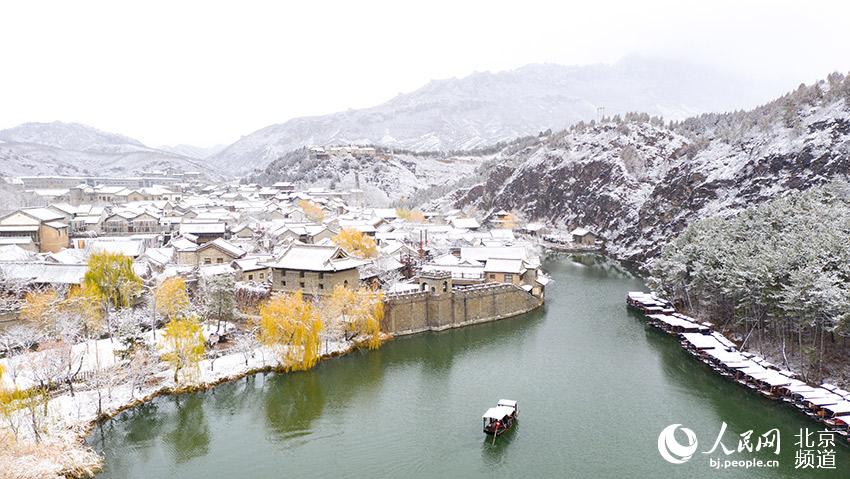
(409, 313)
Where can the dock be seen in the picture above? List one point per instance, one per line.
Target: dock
(825, 403)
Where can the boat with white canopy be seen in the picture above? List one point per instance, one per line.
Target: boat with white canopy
(501, 418)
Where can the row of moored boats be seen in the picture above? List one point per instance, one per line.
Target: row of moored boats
(825, 403)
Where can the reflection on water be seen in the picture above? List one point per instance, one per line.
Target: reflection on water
(190, 435)
(594, 383)
(291, 418)
(495, 453)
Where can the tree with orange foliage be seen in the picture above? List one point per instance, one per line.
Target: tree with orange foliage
(312, 210)
(356, 243)
(172, 300)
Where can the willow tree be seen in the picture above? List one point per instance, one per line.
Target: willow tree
(356, 243)
(311, 210)
(183, 345)
(357, 313)
(290, 326)
(111, 279)
(172, 299)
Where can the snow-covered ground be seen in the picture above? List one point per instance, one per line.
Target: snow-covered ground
(70, 417)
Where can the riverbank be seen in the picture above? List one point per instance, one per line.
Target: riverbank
(825, 403)
(62, 451)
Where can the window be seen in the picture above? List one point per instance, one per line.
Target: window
(219, 260)
(301, 274)
(301, 284)
(492, 276)
(509, 278)
(250, 277)
(321, 286)
(345, 284)
(207, 260)
(283, 283)
(321, 275)
(262, 275)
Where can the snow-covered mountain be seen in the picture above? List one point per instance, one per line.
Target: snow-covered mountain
(192, 151)
(638, 181)
(59, 148)
(384, 176)
(486, 108)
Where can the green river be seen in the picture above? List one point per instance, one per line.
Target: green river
(595, 387)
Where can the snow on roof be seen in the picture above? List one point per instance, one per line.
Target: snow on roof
(128, 247)
(503, 265)
(69, 256)
(498, 412)
(215, 269)
(202, 228)
(702, 341)
(49, 273)
(579, 232)
(224, 245)
(483, 253)
(839, 409)
(43, 214)
(160, 256)
(13, 252)
(315, 258)
(183, 244)
(465, 223)
(18, 227)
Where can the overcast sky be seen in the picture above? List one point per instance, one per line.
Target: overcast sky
(209, 72)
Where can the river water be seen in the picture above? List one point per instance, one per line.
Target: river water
(595, 387)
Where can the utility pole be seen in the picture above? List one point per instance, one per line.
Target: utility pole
(600, 113)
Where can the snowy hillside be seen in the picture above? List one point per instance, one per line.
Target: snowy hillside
(485, 108)
(385, 177)
(72, 149)
(637, 181)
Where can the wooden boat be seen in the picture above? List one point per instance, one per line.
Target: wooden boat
(501, 418)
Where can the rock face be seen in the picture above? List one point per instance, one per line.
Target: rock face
(73, 149)
(637, 182)
(487, 108)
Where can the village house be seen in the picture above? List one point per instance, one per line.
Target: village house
(43, 227)
(253, 269)
(583, 236)
(314, 269)
(218, 251)
(185, 250)
(205, 232)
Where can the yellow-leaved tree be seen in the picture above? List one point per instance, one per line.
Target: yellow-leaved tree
(290, 326)
(356, 243)
(413, 216)
(84, 302)
(312, 210)
(172, 300)
(183, 347)
(39, 307)
(358, 312)
(111, 279)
